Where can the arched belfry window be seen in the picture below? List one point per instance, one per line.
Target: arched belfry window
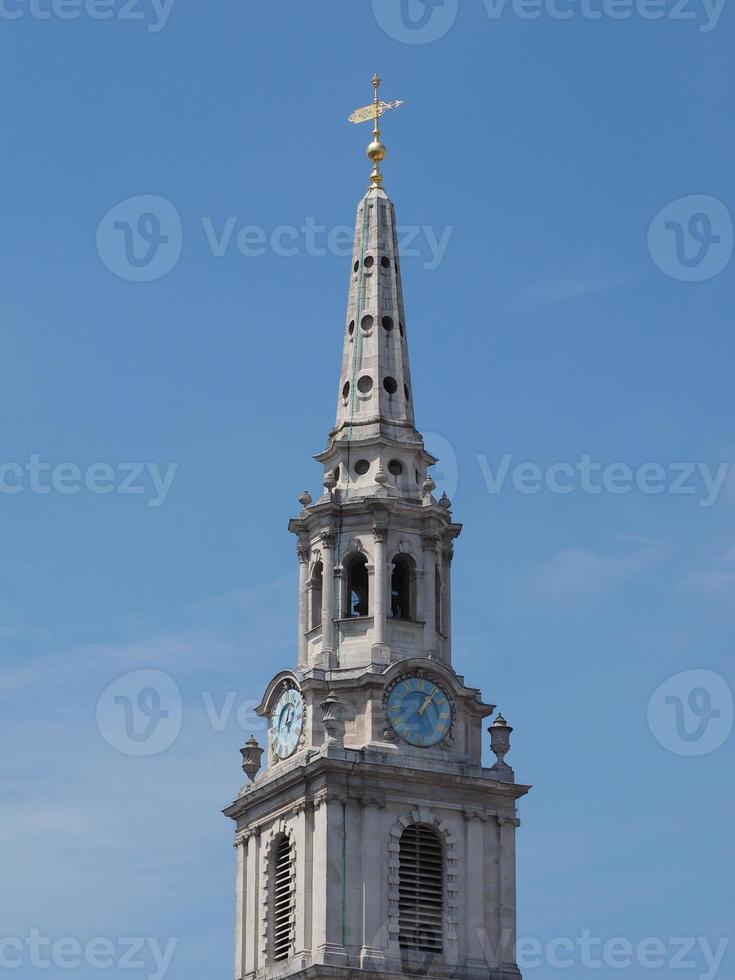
(357, 603)
(421, 890)
(402, 588)
(282, 898)
(316, 595)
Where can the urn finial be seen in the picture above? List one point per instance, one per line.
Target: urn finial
(334, 728)
(251, 755)
(500, 732)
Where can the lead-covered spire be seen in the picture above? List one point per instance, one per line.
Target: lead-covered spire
(374, 448)
(375, 395)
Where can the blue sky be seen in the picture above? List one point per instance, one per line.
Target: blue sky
(578, 170)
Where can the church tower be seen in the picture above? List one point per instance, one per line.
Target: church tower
(374, 842)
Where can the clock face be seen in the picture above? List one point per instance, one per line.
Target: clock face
(287, 723)
(419, 711)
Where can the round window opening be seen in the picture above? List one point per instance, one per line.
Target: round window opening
(388, 323)
(390, 385)
(385, 262)
(345, 389)
(361, 467)
(356, 266)
(365, 384)
(369, 262)
(367, 323)
(395, 467)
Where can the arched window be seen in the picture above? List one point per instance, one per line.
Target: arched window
(402, 588)
(357, 603)
(421, 890)
(282, 898)
(316, 595)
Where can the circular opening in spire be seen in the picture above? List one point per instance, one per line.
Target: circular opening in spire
(351, 328)
(369, 262)
(400, 327)
(418, 478)
(395, 467)
(407, 393)
(367, 323)
(356, 266)
(388, 323)
(365, 384)
(361, 467)
(385, 262)
(345, 389)
(390, 385)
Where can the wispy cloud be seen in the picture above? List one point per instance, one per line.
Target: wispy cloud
(77, 811)
(573, 285)
(575, 576)
(716, 578)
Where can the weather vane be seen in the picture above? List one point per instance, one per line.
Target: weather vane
(376, 151)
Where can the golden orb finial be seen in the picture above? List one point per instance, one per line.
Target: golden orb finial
(376, 151)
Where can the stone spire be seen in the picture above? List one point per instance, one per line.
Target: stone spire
(375, 410)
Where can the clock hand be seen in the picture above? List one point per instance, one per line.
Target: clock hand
(427, 702)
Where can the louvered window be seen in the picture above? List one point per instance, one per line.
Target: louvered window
(282, 908)
(421, 890)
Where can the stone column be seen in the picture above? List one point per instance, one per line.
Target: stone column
(373, 915)
(430, 542)
(380, 596)
(252, 938)
(328, 880)
(475, 890)
(241, 906)
(447, 555)
(328, 538)
(507, 872)
(303, 553)
(302, 842)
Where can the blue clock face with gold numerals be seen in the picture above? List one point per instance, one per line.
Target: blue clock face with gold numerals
(419, 711)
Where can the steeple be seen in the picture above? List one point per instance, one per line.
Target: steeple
(375, 408)
(375, 398)
(375, 845)
(376, 547)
